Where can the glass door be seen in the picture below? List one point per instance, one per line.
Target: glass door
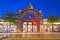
(29, 26)
(34, 25)
(34, 28)
(25, 27)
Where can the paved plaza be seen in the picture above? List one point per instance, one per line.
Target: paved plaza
(32, 36)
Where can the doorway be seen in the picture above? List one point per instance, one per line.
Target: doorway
(29, 27)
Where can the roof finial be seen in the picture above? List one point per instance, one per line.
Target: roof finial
(19, 10)
(40, 10)
(30, 5)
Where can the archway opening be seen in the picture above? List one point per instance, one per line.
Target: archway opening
(29, 23)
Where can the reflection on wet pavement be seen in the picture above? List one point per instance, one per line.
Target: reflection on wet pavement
(29, 36)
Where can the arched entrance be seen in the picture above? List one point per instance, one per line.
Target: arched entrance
(29, 23)
(29, 20)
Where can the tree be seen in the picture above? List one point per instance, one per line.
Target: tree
(10, 17)
(52, 20)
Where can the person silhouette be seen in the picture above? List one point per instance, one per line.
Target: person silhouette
(47, 29)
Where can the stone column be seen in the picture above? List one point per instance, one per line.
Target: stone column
(19, 20)
(40, 20)
(38, 24)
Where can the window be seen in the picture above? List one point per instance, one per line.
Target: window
(29, 16)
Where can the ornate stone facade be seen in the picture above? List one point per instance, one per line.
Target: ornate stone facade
(30, 10)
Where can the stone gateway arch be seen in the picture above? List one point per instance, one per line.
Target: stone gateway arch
(30, 20)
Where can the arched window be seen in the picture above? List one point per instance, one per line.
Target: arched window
(29, 15)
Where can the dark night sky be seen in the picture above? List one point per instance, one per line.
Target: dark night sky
(48, 7)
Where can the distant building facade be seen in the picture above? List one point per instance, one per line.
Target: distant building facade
(29, 20)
